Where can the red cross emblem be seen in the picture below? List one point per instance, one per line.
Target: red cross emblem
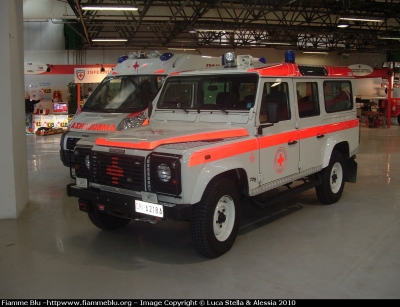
(136, 66)
(80, 74)
(280, 160)
(115, 171)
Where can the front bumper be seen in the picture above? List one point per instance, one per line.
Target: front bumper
(122, 205)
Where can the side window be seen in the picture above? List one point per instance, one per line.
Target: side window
(338, 96)
(307, 99)
(275, 92)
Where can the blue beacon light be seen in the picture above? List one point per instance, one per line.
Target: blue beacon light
(289, 56)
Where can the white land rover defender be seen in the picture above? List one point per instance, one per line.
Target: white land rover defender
(219, 135)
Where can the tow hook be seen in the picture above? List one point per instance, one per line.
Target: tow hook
(147, 219)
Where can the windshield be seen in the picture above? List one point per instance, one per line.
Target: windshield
(222, 92)
(125, 94)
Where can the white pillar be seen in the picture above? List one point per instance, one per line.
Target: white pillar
(14, 184)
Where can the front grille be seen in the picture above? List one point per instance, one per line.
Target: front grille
(71, 142)
(116, 170)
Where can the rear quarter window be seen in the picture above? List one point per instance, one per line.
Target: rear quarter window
(338, 96)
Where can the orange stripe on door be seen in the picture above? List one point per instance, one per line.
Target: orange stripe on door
(226, 151)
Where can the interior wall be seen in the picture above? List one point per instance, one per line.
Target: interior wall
(14, 188)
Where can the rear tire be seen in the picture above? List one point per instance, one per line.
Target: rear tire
(215, 219)
(105, 221)
(332, 177)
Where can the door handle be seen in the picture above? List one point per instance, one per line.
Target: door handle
(292, 142)
(320, 136)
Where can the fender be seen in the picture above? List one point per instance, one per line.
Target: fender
(331, 142)
(209, 171)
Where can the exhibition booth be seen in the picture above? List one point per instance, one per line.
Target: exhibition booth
(49, 84)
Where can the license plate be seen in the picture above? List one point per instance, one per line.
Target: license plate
(81, 183)
(149, 208)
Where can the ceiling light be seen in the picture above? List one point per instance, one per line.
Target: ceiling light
(362, 19)
(275, 43)
(36, 20)
(386, 37)
(105, 7)
(211, 30)
(316, 52)
(342, 24)
(109, 40)
(182, 49)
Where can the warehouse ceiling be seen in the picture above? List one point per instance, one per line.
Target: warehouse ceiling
(288, 24)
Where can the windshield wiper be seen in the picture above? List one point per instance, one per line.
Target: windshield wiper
(182, 107)
(222, 109)
(218, 107)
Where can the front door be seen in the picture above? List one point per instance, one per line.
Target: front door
(279, 144)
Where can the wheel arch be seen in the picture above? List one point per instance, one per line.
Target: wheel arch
(233, 171)
(335, 143)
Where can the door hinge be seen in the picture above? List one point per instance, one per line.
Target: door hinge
(260, 177)
(299, 164)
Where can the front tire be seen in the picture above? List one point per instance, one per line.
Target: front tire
(332, 177)
(105, 221)
(398, 120)
(215, 219)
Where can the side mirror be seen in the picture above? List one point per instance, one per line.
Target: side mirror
(272, 116)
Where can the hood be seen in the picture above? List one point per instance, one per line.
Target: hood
(151, 136)
(97, 122)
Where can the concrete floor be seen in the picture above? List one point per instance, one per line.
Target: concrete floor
(298, 250)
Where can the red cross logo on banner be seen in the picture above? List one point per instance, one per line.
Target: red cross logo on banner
(80, 74)
(280, 160)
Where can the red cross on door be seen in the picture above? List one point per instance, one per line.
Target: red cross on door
(280, 160)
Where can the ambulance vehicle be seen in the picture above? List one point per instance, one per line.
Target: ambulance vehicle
(122, 99)
(217, 137)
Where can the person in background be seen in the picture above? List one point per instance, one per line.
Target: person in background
(29, 107)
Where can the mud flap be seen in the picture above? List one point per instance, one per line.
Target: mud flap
(351, 170)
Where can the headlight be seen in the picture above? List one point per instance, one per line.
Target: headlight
(164, 172)
(131, 122)
(87, 162)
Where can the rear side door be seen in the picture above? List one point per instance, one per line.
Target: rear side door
(308, 112)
